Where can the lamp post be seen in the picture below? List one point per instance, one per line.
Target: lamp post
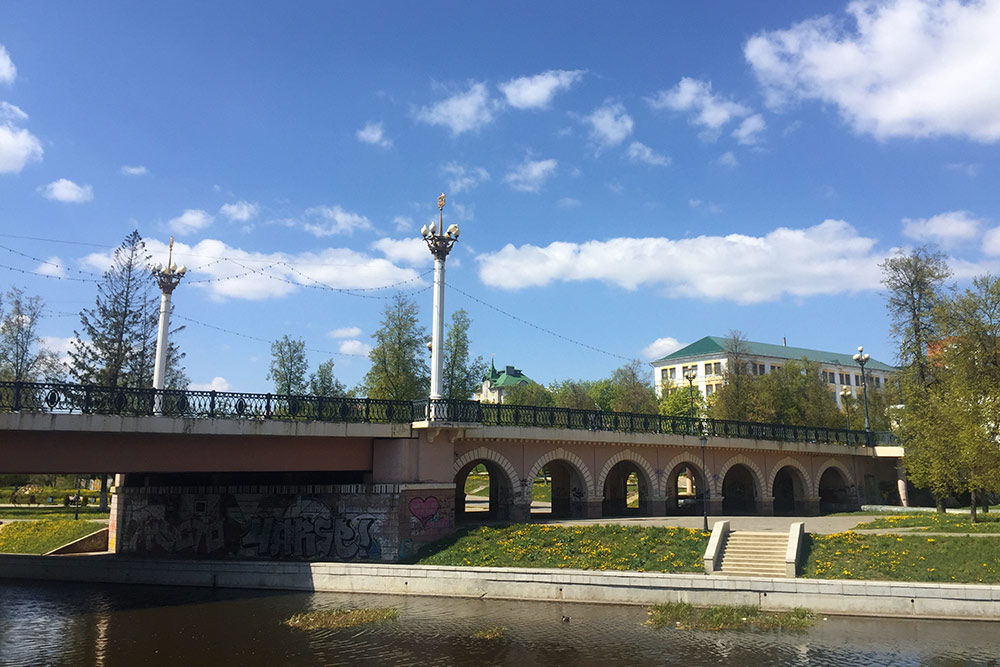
(861, 358)
(439, 242)
(690, 375)
(167, 277)
(846, 393)
(704, 473)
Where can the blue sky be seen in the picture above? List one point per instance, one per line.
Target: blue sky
(627, 178)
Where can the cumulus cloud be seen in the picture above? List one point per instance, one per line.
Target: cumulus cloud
(461, 112)
(59, 345)
(240, 211)
(372, 134)
(7, 70)
(134, 170)
(218, 383)
(17, 148)
(403, 223)
(946, 229)
(355, 347)
(53, 266)
(256, 276)
(970, 169)
(530, 175)
(640, 152)
(12, 112)
(330, 220)
(661, 347)
(345, 332)
(191, 220)
(536, 92)
(464, 178)
(728, 159)
(828, 258)
(991, 242)
(609, 124)
(67, 191)
(893, 68)
(748, 133)
(709, 110)
(405, 251)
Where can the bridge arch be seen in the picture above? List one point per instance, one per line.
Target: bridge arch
(613, 486)
(572, 484)
(571, 458)
(629, 455)
(504, 484)
(835, 487)
(789, 490)
(744, 490)
(671, 471)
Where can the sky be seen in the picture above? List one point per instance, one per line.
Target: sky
(627, 178)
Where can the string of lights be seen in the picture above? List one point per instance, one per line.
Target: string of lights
(259, 339)
(45, 261)
(46, 275)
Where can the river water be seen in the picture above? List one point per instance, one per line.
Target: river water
(116, 625)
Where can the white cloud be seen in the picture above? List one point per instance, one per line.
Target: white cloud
(609, 124)
(640, 152)
(728, 159)
(463, 178)
(134, 170)
(60, 346)
(67, 191)
(355, 347)
(661, 347)
(568, 202)
(710, 110)
(17, 148)
(345, 332)
(404, 251)
(372, 134)
(403, 223)
(12, 112)
(536, 92)
(708, 206)
(191, 220)
(969, 169)
(946, 229)
(240, 211)
(335, 220)
(748, 133)
(894, 68)
(828, 258)
(462, 112)
(218, 383)
(991, 242)
(53, 266)
(7, 70)
(530, 175)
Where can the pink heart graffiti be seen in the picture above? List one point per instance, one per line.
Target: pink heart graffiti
(424, 509)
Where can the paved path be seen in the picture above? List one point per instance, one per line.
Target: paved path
(814, 524)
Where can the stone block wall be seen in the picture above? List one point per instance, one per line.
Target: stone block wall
(349, 522)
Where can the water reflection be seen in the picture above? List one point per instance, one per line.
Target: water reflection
(104, 625)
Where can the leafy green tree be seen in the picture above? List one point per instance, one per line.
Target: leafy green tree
(735, 399)
(632, 390)
(795, 394)
(118, 342)
(574, 394)
(23, 358)
(677, 403)
(399, 368)
(288, 366)
(530, 393)
(323, 383)
(461, 376)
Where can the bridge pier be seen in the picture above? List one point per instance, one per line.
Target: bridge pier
(766, 506)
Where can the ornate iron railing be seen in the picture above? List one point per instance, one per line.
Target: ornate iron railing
(70, 398)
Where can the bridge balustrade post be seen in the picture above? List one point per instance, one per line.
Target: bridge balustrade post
(267, 406)
(17, 397)
(87, 398)
(319, 408)
(211, 403)
(368, 403)
(152, 402)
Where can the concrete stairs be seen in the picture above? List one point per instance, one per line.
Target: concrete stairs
(754, 554)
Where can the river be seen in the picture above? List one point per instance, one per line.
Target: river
(143, 626)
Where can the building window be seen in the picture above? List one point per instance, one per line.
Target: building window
(775, 368)
(757, 369)
(878, 381)
(830, 377)
(709, 389)
(673, 373)
(664, 376)
(857, 380)
(845, 378)
(693, 369)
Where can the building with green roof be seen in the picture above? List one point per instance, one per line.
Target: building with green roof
(707, 358)
(496, 383)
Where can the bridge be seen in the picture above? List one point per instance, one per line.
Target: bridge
(224, 474)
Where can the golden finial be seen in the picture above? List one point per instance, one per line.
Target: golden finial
(170, 253)
(441, 202)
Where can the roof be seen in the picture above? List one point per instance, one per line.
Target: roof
(715, 345)
(509, 377)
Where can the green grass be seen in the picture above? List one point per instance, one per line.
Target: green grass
(937, 523)
(851, 555)
(51, 512)
(39, 537)
(726, 617)
(490, 633)
(579, 547)
(332, 619)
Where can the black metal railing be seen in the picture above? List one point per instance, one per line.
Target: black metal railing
(87, 399)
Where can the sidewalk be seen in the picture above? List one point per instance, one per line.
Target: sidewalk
(814, 524)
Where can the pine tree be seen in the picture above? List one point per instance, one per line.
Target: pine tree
(399, 368)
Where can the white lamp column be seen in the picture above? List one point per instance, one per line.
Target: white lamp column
(167, 277)
(439, 241)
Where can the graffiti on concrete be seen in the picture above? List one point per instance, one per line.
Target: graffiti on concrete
(425, 510)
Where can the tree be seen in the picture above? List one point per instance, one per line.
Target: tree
(736, 397)
(795, 394)
(118, 345)
(530, 393)
(632, 390)
(677, 403)
(575, 394)
(288, 366)
(461, 376)
(322, 382)
(399, 368)
(22, 356)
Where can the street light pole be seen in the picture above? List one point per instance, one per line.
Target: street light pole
(690, 375)
(439, 242)
(167, 277)
(845, 394)
(861, 358)
(705, 492)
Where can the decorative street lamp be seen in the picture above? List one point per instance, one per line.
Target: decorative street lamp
(704, 473)
(439, 241)
(690, 375)
(845, 394)
(861, 358)
(167, 277)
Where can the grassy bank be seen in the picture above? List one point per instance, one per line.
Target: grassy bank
(607, 547)
(937, 523)
(851, 555)
(51, 512)
(726, 617)
(39, 537)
